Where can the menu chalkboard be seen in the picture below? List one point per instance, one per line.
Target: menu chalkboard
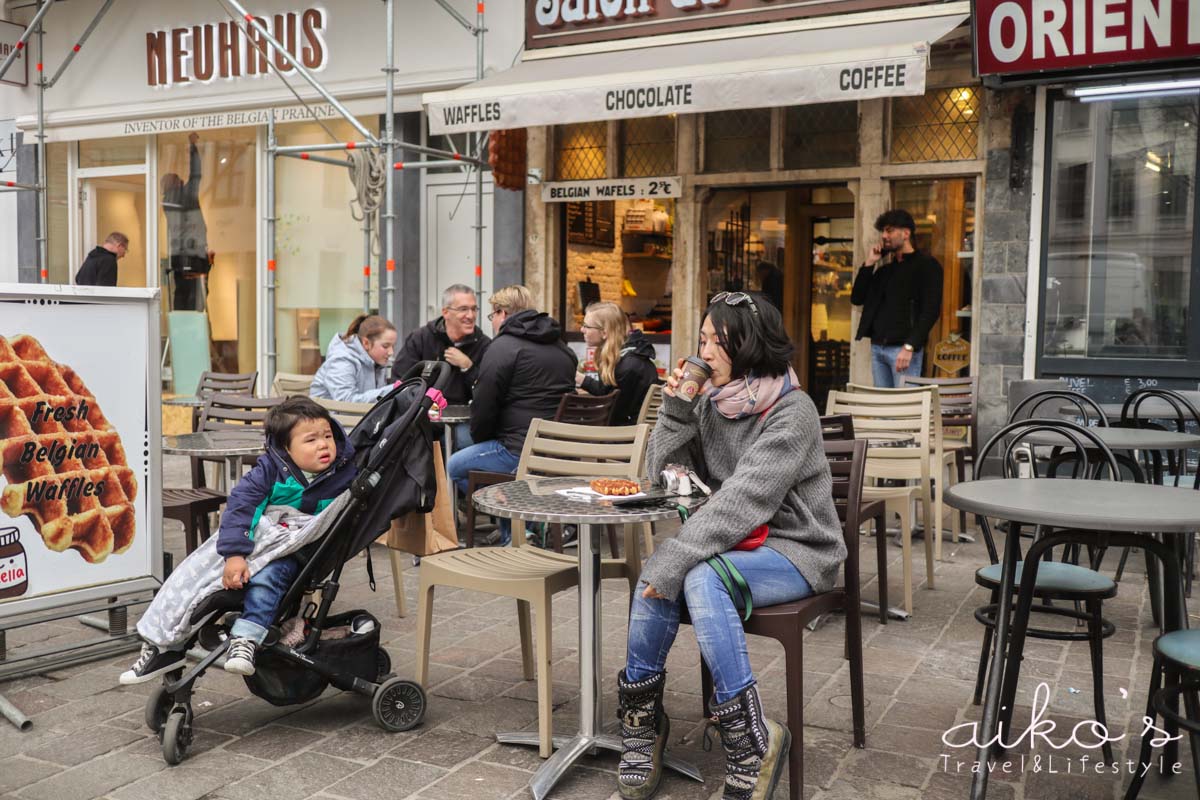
(591, 223)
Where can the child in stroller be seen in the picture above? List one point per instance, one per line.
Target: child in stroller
(391, 451)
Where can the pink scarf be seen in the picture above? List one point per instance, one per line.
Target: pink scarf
(750, 395)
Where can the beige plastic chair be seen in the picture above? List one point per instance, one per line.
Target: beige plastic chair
(528, 574)
(946, 455)
(648, 415)
(908, 413)
(291, 384)
(348, 414)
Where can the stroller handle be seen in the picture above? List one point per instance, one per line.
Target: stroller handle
(425, 369)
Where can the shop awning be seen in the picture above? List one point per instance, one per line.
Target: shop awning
(816, 65)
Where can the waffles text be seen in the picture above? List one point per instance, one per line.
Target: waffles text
(69, 489)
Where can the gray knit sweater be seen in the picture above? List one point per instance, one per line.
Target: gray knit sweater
(769, 468)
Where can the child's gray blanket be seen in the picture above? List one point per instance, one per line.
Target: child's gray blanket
(167, 622)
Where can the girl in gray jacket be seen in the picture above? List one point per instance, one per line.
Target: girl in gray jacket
(354, 369)
(755, 437)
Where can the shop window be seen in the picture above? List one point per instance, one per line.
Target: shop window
(647, 146)
(820, 135)
(944, 211)
(737, 141)
(940, 125)
(1117, 285)
(581, 151)
(318, 249)
(207, 225)
(120, 151)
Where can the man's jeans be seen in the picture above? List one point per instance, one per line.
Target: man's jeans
(653, 623)
(490, 456)
(263, 593)
(883, 365)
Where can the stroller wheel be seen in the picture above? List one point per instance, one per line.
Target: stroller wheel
(398, 705)
(383, 664)
(176, 737)
(158, 706)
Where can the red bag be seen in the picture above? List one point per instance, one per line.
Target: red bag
(754, 541)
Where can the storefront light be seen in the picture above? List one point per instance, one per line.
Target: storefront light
(1129, 91)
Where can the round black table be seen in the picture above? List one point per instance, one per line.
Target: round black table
(1122, 438)
(538, 500)
(1099, 512)
(452, 415)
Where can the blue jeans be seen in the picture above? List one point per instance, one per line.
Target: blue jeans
(490, 456)
(883, 365)
(653, 623)
(263, 593)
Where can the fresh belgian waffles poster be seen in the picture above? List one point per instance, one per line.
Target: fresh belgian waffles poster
(74, 438)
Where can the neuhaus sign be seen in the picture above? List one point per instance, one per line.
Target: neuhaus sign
(201, 53)
(1053, 35)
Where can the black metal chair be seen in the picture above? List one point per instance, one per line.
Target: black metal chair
(1054, 580)
(1177, 659)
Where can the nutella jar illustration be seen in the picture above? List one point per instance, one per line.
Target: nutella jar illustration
(14, 571)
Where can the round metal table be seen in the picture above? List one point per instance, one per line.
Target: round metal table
(229, 445)
(1099, 512)
(1122, 438)
(190, 400)
(452, 415)
(537, 500)
(1152, 408)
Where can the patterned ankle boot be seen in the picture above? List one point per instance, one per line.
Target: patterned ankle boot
(755, 747)
(644, 732)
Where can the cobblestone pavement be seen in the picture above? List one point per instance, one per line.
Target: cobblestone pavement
(89, 739)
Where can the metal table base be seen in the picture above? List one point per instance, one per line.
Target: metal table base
(590, 737)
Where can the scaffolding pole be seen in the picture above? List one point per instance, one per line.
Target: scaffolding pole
(319, 159)
(366, 262)
(478, 33)
(82, 41)
(270, 220)
(43, 200)
(387, 289)
(34, 25)
(17, 187)
(283, 53)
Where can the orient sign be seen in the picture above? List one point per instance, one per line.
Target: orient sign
(227, 50)
(551, 23)
(1024, 36)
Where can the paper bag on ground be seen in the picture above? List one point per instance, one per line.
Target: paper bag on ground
(426, 534)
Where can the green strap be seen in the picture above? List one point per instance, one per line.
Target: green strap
(735, 584)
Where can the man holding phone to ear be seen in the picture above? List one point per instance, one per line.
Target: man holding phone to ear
(900, 290)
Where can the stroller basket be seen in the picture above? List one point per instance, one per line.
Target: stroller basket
(283, 682)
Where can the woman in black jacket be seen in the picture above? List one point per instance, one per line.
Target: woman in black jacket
(624, 360)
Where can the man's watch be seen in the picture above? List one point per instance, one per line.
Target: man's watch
(908, 347)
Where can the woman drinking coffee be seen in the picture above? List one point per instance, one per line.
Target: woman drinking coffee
(755, 437)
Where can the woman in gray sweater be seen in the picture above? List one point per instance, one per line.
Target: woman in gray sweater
(755, 437)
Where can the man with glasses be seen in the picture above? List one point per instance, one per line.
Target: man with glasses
(455, 338)
(900, 291)
(100, 266)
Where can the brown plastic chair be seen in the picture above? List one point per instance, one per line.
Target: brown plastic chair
(192, 507)
(651, 403)
(840, 428)
(530, 575)
(785, 622)
(226, 382)
(586, 409)
(230, 412)
(291, 384)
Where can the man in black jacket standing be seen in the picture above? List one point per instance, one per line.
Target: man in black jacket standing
(523, 375)
(900, 291)
(100, 266)
(454, 338)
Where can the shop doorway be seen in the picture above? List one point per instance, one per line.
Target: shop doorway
(111, 203)
(795, 245)
(448, 246)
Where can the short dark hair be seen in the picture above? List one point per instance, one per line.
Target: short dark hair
(281, 419)
(896, 218)
(755, 342)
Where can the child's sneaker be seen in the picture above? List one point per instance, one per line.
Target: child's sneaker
(239, 658)
(150, 664)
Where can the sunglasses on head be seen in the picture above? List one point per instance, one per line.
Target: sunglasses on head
(734, 299)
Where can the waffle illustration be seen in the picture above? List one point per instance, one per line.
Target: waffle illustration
(64, 463)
